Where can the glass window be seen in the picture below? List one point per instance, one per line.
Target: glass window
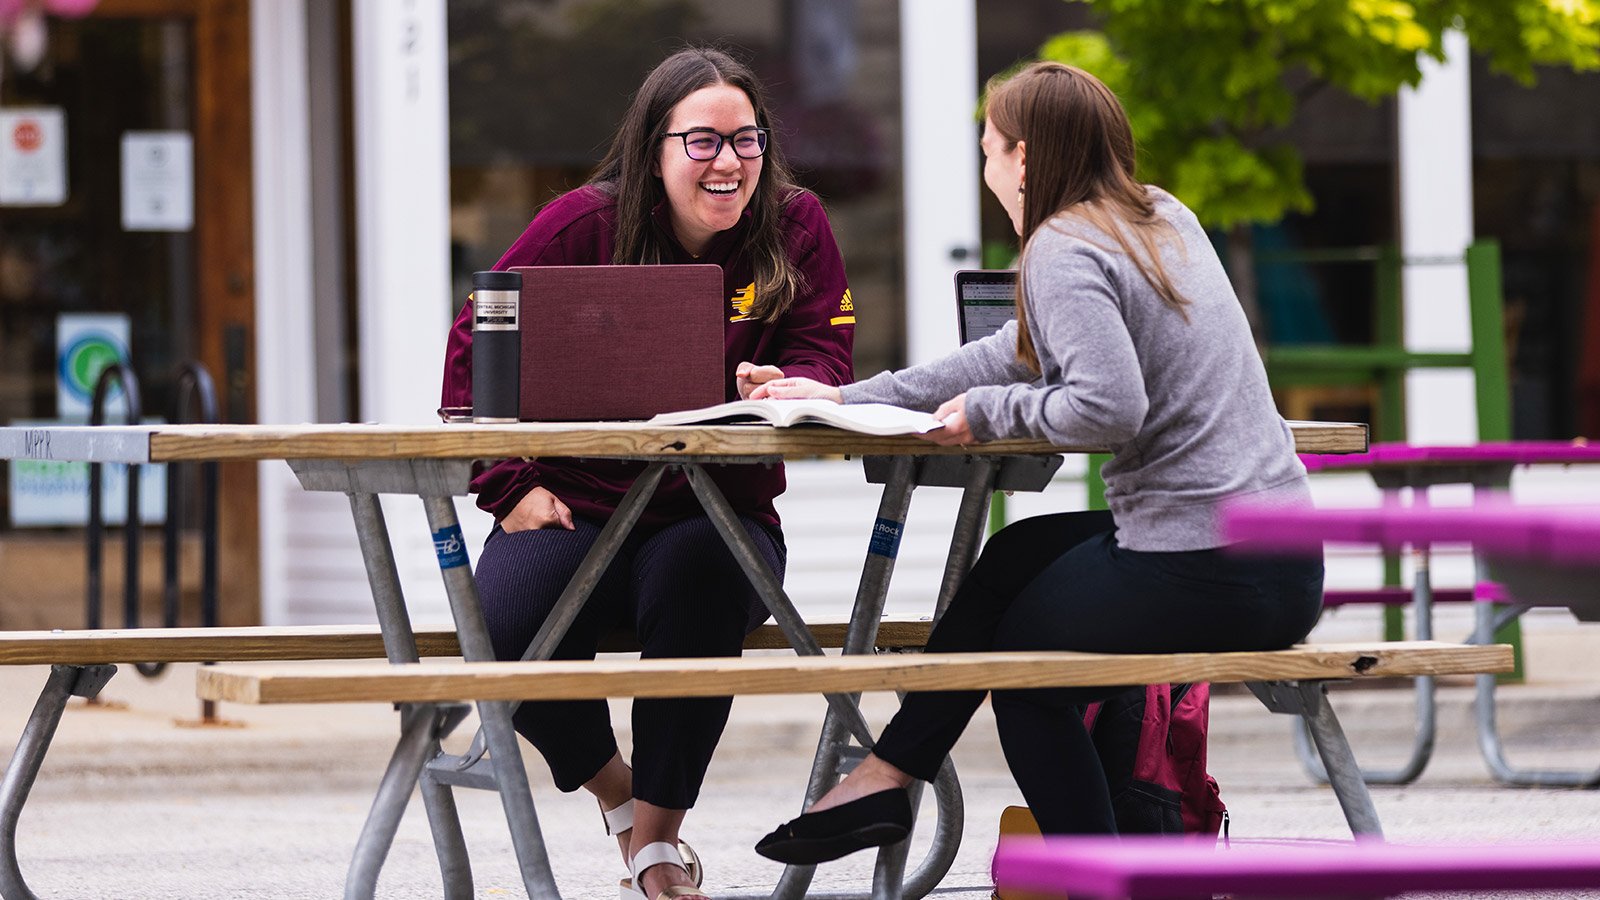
(1536, 190)
(61, 264)
(538, 86)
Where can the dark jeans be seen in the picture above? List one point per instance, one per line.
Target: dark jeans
(679, 588)
(1061, 583)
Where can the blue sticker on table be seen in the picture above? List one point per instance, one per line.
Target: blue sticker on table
(885, 538)
(449, 546)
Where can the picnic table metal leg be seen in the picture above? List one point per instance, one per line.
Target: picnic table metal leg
(1426, 722)
(394, 621)
(972, 519)
(595, 563)
(842, 708)
(420, 727)
(1489, 742)
(947, 830)
(400, 646)
(1309, 700)
(770, 590)
(444, 822)
(470, 768)
(890, 881)
(63, 683)
(516, 797)
(862, 630)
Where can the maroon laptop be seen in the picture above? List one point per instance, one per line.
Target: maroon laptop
(620, 342)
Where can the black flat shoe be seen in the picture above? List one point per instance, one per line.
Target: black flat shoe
(871, 821)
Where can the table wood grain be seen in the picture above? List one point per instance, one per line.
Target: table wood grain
(598, 440)
(567, 680)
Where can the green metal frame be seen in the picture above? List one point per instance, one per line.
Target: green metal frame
(1386, 363)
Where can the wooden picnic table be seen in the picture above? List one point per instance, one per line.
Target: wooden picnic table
(434, 463)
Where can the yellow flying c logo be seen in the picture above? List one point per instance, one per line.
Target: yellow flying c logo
(742, 301)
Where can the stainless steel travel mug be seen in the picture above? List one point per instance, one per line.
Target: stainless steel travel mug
(496, 346)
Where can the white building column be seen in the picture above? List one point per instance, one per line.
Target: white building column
(281, 181)
(939, 84)
(402, 164)
(402, 178)
(1435, 186)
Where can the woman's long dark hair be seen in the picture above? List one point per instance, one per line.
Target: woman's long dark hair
(1080, 163)
(628, 173)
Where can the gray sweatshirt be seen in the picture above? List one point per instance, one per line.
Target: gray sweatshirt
(1183, 406)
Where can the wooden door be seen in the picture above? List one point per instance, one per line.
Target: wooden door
(178, 70)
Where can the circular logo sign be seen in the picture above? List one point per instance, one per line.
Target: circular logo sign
(84, 360)
(27, 135)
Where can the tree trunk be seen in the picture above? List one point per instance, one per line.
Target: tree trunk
(1242, 272)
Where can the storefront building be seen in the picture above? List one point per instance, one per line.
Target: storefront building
(349, 164)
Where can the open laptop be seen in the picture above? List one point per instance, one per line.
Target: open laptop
(620, 342)
(985, 301)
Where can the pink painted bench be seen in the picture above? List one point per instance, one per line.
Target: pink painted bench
(1542, 556)
(1165, 867)
(1445, 465)
(1565, 536)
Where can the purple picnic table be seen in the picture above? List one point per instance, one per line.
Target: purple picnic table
(1393, 467)
(1540, 555)
(1155, 867)
(1396, 466)
(1552, 535)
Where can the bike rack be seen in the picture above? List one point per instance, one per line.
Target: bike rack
(123, 373)
(195, 388)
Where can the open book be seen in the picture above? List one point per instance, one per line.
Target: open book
(866, 418)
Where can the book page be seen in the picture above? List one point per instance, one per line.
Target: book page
(866, 418)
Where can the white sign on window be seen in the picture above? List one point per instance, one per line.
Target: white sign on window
(157, 181)
(33, 156)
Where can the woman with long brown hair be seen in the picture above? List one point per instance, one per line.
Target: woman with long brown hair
(1127, 336)
(693, 175)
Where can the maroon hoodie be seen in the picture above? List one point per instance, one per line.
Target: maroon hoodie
(813, 339)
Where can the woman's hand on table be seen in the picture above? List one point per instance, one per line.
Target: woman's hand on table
(795, 389)
(537, 509)
(956, 430)
(749, 378)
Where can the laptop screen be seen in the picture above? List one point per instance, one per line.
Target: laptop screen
(985, 301)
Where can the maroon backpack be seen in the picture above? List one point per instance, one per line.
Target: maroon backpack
(1152, 744)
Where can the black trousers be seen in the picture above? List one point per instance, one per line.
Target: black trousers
(679, 588)
(1061, 583)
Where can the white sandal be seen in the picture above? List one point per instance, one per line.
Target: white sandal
(663, 853)
(619, 820)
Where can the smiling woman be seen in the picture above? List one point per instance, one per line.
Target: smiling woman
(692, 175)
(709, 184)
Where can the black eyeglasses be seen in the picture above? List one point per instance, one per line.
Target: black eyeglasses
(703, 145)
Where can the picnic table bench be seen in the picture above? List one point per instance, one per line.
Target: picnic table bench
(1150, 867)
(1291, 681)
(83, 661)
(1009, 670)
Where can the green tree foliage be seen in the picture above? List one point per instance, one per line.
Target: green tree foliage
(1209, 84)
